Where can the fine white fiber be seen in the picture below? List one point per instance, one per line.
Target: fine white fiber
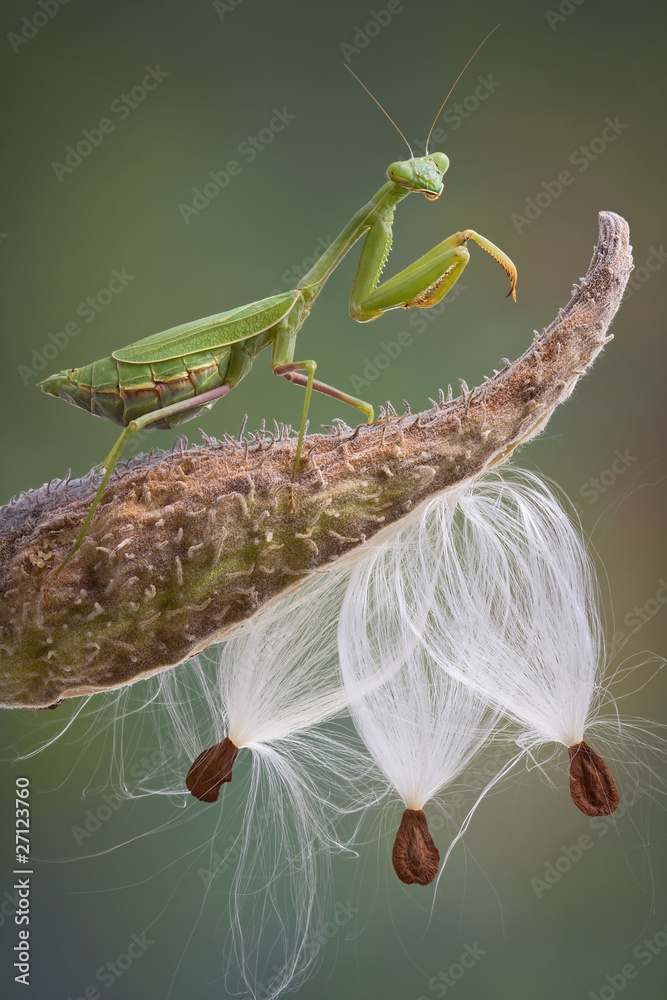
(267, 690)
(421, 725)
(271, 691)
(510, 610)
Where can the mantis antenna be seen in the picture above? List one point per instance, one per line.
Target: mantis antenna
(383, 110)
(452, 86)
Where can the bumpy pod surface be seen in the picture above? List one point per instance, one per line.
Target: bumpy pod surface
(186, 545)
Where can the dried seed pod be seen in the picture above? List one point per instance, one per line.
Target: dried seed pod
(415, 857)
(185, 546)
(592, 787)
(211, 769)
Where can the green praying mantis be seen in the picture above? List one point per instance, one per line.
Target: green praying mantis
(174, 376)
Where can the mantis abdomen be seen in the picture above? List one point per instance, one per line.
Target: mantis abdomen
(121, 392)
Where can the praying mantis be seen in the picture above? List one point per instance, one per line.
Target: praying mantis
(174, 376)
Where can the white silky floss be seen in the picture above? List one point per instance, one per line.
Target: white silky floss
(266, 689)
(510, 610)
(421, 725)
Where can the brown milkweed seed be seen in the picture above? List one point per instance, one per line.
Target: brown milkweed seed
(591, 785)
(415, 857)
(211, 769)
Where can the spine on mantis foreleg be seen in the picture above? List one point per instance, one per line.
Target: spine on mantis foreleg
(358, 225)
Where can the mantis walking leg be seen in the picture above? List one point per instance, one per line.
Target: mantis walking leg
(115, 453)
(282, 364)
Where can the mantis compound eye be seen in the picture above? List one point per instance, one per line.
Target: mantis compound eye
(441, 161)
(400, 172)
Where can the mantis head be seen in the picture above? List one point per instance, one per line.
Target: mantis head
(423, 174)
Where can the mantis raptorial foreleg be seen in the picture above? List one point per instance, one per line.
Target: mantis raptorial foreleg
(424, 282)
(166, 378)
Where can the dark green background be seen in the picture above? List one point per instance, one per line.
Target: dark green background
(120, 209)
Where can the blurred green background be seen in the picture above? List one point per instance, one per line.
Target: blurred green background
(553, 76)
